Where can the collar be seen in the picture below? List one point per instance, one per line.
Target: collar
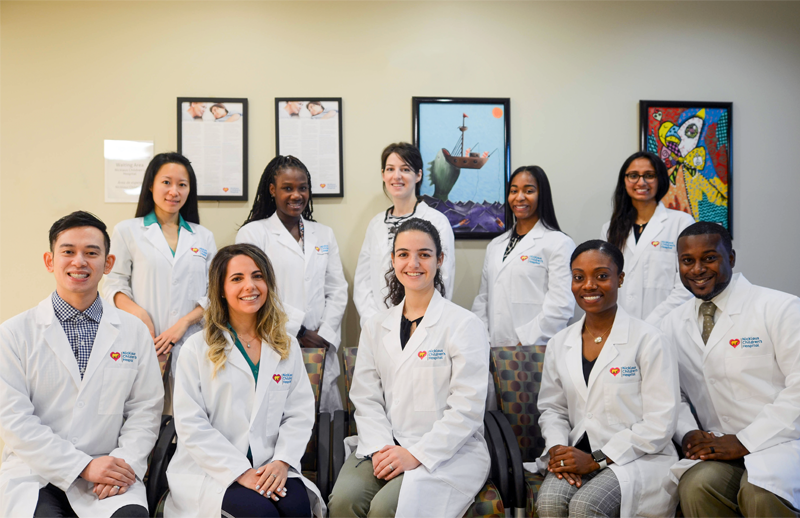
(151, 218)
(721, 300)
(65, 312)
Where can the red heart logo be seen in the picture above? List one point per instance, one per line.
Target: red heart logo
(655, 243)
(115, 356)
(524, 258)
(422, 354)
(225, 189)
(323, 185)
(734, 342)
(317, 248)
(195, 250)
(277, 378)
(614, 370)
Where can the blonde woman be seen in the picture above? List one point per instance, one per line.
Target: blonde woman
(244, 409)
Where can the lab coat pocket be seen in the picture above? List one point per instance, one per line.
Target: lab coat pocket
(277, 402)
(661, 268)
(117, 385)
(750, 375)
(528, 283)
(430, 388)
(623, 402)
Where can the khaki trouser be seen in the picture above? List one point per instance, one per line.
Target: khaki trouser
(359, 493)
(720, 488)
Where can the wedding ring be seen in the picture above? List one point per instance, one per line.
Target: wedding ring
(272, 475)
(562, 463)
(391, 468)
(116, 487)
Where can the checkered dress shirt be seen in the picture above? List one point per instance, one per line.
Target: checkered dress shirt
(80, 327)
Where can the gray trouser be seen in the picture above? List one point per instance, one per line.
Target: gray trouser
(359, 493)
(720, 488)
(599, 495)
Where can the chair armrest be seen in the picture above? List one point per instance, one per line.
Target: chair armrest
(162, 454)
(338, 433)
(515, 458)
(499, 473)
(324, 454)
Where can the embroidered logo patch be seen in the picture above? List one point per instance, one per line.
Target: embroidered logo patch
(277, 378)
(322, 249)
(195, 250)
(655, 243)
(128, 357)
(422, 354)
(535, 259)
(630, 371)
(734, 343)
(436, 354)
(200, 252)
(322, 185)
(115, 356)
(614, 370)
(224, 189)
(748, 342)
(524, 258)
(286, 377)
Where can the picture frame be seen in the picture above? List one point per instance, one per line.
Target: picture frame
(212, 134)
(469, 187)
(695, 141)
(310, 128)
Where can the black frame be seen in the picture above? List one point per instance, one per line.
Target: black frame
(338, 100)
(506, 102)
(644, 106)
(245, 115)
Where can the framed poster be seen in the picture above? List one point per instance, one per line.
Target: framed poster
(212, 134)
(466, 152)
(310, 128)
(694, 139)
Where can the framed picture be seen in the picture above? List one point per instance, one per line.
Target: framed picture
(466, 154)
(694, 139)
(212, 134)
(310, 128)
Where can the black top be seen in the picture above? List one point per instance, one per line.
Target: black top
(512, 241)
(638, 230)
(583, 443)
(405, 329)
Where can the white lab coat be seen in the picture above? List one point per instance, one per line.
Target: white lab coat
(751, 390)
(374, 260)
(54, 423)
(311, 286)
(218, 417)
(429, 397)
(527, 298)
(628, 410)
(166, 287)
(652, 286)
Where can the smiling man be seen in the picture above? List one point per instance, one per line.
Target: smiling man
(738, 351)
(80, 391)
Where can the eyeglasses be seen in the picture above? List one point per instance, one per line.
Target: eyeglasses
(634, 177)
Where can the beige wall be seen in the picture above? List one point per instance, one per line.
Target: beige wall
(76, 73)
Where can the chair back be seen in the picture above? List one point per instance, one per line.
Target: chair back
(517, 373)
(349, 357)
(314, 360)
(156, 478)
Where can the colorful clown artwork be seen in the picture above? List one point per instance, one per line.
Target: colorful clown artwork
(694, 141)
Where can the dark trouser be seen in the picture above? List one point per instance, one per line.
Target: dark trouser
(240, 501)
(53, 503)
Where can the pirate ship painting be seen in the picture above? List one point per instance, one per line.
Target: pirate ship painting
(465, 182)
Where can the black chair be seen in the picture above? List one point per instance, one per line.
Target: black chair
(156, 479)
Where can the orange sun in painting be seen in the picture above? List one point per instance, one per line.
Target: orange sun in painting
(497, 112)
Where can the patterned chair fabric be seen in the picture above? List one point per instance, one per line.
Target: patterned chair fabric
(487, 504)
(517, 377)
(533, 481)
(314, 359)
(349, 357)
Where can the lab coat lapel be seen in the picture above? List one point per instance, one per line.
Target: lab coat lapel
(651, 231)
(691, 327)
(574, 358)
(526, 243)
(310, 244)
(277, 227)
(417, 341)
(391, 337)
(186, 240)
(267, 366)
(156, 237)
(235, 356)
(56, 338)
(104, 341)
(617, 336)
(734, 306)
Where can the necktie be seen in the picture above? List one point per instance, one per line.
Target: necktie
(707, 310)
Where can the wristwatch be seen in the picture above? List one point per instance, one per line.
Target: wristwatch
(600, 458)
(302, 332)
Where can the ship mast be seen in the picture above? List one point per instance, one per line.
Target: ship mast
(459, 150)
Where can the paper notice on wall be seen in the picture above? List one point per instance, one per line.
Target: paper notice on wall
(125, 163)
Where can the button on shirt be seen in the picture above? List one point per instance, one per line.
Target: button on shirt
(80, 327)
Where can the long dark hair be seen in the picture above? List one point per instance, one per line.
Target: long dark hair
(397, 291)
(624, 214)
(264, 204)
(147, 205)
(409, 154)
(545, 209)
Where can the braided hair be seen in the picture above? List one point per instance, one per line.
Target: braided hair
(264, 204)
(397, 291)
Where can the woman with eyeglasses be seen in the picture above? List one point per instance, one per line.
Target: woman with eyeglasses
(647, 233)
(401, 170)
